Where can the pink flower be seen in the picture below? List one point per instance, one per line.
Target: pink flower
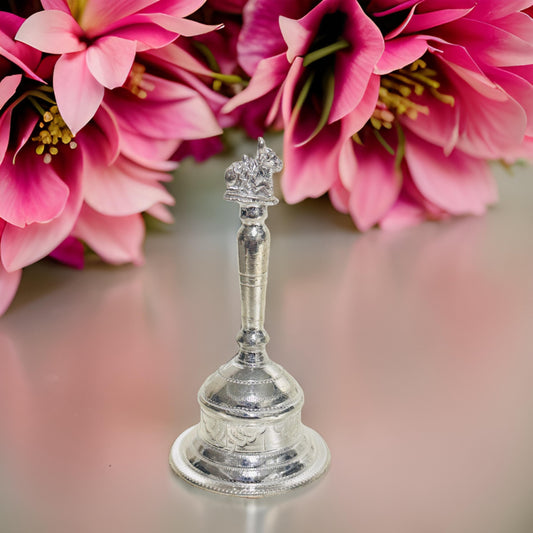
(208, 63)
(58, 190)
(97, 41)
(455, 89)
(309, 76)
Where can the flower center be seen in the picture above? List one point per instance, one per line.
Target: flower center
(76, 8)
(136, 83)
(398, 89)
(52, 130)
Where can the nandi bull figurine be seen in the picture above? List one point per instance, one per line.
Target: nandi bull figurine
(250, 440)
(250, 180)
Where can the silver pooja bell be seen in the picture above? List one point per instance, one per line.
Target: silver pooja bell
(250, 440)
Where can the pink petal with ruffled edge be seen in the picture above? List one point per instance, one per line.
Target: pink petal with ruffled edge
(110, 59)
(21, 247)
(70, 252)
(459, 184)
(30, 190)
(77, 91)
(376, 184)
(9, 283)
(117, 240)
(53, 32)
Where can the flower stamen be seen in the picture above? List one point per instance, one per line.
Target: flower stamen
(397, 89)
(136, 82)
(52, 130)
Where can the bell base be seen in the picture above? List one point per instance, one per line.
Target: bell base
(247, 474)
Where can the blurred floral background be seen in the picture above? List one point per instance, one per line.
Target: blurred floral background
(394, 108)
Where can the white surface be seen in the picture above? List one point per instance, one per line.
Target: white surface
(428, 332)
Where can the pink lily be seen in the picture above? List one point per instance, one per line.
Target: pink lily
(455, 89)
(97, 41)
(312, 74)
(482, 56)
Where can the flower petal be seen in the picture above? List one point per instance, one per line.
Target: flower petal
(431, 19)
(110, 59)
(269, 75)
(8, 86)
(116, 240)
(459, 183)
(170, 111)
(21, 247)
(51, 31)
(490, 44)
(60, 5)
(401, 52)
(30, 190)
(98, 14)
(143, 31)
(375, 185)
(22, 55)
(496, 9)
(124, 188)
(77, 91)
(257, 39)
(354, 66)
(70, 252)
(180, 26)
(9, 282)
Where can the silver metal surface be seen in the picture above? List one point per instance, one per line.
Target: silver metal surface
(250, 440)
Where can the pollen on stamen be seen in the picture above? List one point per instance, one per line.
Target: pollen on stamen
(136, 82)
(52, 130)
(396, 93)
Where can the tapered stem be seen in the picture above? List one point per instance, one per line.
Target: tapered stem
(254, 246)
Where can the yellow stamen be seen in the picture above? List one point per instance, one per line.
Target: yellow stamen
(396, 93)
(136, 82)
(52, 130)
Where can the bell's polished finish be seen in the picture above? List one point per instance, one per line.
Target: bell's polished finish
(250, 440)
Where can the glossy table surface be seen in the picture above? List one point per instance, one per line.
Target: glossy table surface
(414, 349)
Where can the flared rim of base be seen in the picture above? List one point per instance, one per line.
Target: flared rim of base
(182, 466)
